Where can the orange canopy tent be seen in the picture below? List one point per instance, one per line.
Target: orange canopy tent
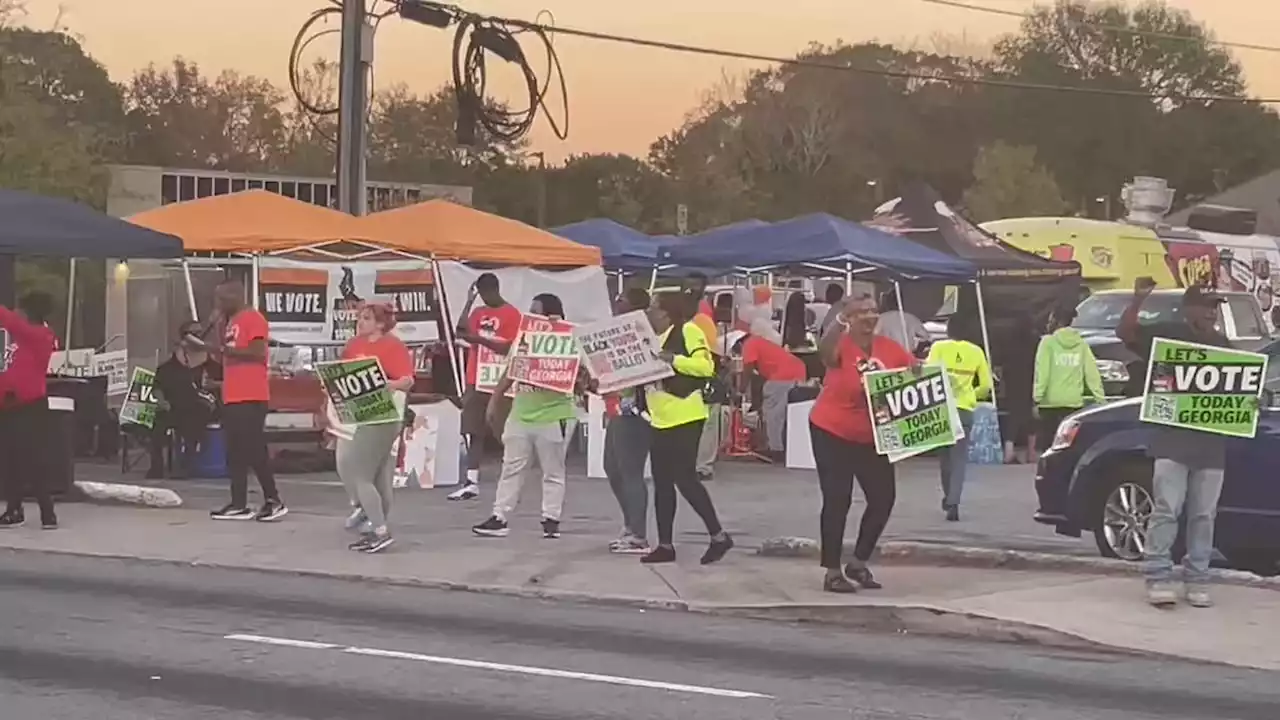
(252, 221)
(448, 231)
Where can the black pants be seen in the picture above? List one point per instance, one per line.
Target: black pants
(839, 463)
(244, 427)
(1050, 419)
(25, 454)
(673, 458)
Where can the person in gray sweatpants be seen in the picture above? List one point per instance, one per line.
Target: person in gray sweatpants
(367, 468)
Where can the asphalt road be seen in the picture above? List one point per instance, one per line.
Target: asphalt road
(96, 639)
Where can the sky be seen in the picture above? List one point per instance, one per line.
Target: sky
(621, 98)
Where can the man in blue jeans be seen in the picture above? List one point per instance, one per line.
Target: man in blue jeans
(1188, 463)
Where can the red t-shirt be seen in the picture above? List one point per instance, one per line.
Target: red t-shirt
(396, 361)
(772, 361)
(245, 380)
(841, 408)
(26, 358)
(502, 323)
(704, 308)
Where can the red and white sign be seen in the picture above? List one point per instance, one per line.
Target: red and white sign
(545, 355)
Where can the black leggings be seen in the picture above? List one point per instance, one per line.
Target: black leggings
(26, 463)
(673, 457)
(243, 427)
(839, 463)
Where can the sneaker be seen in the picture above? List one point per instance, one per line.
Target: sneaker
(953, 513)
(378, 543)
(1161, 595)
(356, 519)
(363, 544)
(470, 491)
(862, 576)
(658, 555)
(493, 527)
(272, 511)
(550, 529)
(12, 519)
(1198, 597)
(838, 584)
(629, 545)
(48, 521)
(232, 512)
(717, 549)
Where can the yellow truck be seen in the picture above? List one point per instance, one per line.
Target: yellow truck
(1111, 255)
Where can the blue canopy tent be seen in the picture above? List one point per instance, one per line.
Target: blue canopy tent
(820, 242)
(621, 247)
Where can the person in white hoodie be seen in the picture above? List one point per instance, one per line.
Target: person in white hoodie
(1066, 376)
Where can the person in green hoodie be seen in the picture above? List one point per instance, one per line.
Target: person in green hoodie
(1066, 376)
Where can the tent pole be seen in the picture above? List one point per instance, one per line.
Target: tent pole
(253, 280)
(848, 278)
(902, 314)
(71, 303)
(986, 338)
(448, 325)
(653, 279)
(191, 291)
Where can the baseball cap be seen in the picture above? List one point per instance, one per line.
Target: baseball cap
(1202, 296)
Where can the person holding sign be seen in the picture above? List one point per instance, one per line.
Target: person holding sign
(678, 413)
(490, 329)
(970, 375)
(843, 438)
(537, 430)
(24, 409)
(626, 449)
(1188, 470)
(363, 455)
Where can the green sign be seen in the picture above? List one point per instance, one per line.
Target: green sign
(358, 390)
(141, 401)
(1200, 387)
(912, 411)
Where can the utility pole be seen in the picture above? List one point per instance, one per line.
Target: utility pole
(353, 100)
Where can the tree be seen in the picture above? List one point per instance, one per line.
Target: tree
(178, 117)
(1009, 183)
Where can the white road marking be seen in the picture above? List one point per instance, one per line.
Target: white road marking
(284, 642)
(500, 667)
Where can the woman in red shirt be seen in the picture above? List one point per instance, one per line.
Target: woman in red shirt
(364, 458)
(843, 443)
(26, 347)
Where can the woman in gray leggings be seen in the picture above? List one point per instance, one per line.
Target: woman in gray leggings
(364, 458)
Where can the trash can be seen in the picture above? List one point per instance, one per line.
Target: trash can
(61, 444)
(211, 461)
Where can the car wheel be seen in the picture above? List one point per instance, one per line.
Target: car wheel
(1123, 509)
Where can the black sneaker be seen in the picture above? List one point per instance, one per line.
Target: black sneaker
(550, 529)
(862, 576)
(12, 519)
(717, 549)
(363, 544)
(272, 510)
(232, 512)
(378, 543)
(658, 555)
(493, 527)
(48, 520)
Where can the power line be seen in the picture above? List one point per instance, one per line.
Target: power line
(1106, 28)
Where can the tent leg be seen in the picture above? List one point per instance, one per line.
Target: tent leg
(253, 280)
(71, 303)
(986, 337)
(451, 342)
(902, 314)
(848, 279)
(653, 279)
(191, 291)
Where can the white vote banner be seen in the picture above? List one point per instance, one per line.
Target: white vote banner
(317, 303)
(583, 291)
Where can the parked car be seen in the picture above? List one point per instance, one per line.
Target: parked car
(1096, 478)
(1097, 317)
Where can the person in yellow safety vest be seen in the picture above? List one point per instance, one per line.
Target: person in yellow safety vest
(970, 376)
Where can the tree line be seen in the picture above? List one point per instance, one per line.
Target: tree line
(771, 144)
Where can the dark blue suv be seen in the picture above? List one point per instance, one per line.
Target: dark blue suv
(1097, 478)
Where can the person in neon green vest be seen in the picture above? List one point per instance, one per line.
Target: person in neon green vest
(970, 376)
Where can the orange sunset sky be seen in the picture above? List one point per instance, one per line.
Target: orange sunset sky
(621, 98)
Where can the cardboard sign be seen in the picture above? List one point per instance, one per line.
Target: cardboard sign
(358, 390)
(1205, 388)
(141, 401)
(622, 352)
(545, 354)
(912, 413)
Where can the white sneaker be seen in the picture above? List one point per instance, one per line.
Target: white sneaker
(1198, 597)
(470, 491)
(1162, 595)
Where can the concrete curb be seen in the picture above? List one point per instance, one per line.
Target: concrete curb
(917, 553)
(122, 494)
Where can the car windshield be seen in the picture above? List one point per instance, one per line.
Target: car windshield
(1103, 311)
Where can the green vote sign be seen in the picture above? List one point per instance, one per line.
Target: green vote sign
(358, 390)
(912, 412)
(1205, 388)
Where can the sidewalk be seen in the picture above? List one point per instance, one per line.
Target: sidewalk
(1051, 607)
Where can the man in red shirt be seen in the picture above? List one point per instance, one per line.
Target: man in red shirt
(24, 408)
(245, 392)
(490, 329)
(780, 370)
